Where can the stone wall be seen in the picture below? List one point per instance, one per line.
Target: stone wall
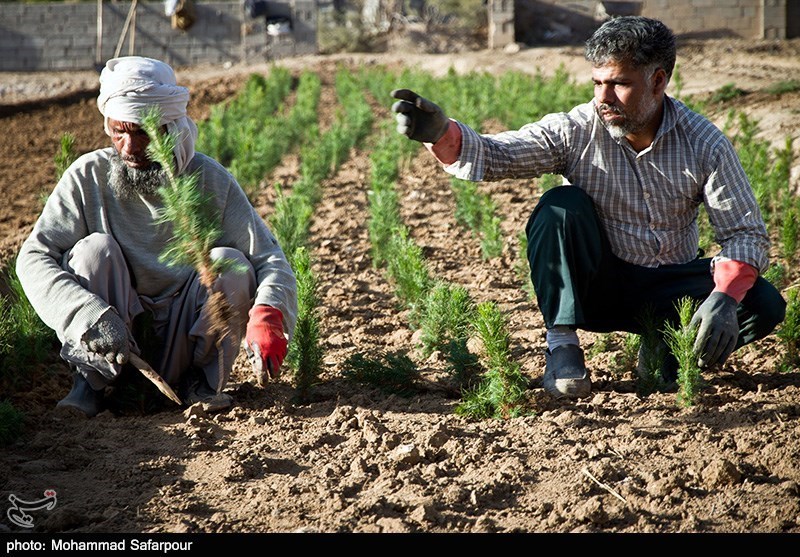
(61, 36)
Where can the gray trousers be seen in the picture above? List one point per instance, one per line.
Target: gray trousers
(179, 322)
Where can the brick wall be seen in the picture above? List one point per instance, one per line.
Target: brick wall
(62, 36)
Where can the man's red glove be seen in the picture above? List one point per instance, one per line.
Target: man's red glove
(265, 342)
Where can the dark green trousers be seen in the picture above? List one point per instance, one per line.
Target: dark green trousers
(581, 284)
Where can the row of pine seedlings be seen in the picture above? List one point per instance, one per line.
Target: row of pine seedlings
(264, 138)
(252, 133)
(445, 314)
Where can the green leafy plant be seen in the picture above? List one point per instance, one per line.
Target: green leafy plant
(393, 372)
(195, 225)
(776, 275)
(446, 315)
(66, 155)
(789, 332)
(464, 366)
(677, 81)
(680, 339)
(789, 234)
(549, 181)
(603, 343)
(781, 87)
(626, 360)
(305, 351)
(727, 92)
(476, 212)
(501, 393)
(408, 269)
(290, 220)
(24, 339)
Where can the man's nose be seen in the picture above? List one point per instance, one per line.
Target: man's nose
(605, 94)
(133, 145)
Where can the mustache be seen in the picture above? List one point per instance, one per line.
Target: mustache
(609, 108)
(131, 158)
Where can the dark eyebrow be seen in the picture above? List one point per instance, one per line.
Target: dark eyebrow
(616, 81)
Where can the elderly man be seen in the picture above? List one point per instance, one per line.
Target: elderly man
(616, 247)
(92, 270)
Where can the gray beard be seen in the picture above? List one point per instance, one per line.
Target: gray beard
(127, 182)
(616, 131)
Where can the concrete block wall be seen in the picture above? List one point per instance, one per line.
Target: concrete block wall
(501, 23)
(748, 19)
(59, 36)
(709, 18)
(774, 19)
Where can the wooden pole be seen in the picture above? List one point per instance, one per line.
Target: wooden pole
(132, 40)
(98, 59)
(125, 29)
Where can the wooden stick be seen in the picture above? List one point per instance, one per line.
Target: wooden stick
(604, 486)
(154, 378)
(127, 24)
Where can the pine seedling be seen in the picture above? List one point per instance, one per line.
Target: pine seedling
(677, 81)
(24, 338)
(408, 268)
(648, 370)
(501, 393)
(491, 328)
(384, 220)
(476, 212)
(464, 366)
(393, 373)
(776, 275)
(681, 339)
(603, 344)
(195, 226)
(491, 233)
(305, 351)
(630, 349)
(789, 232)
(468, 204)
(649, 379)
(290, 220)
(444, 316)
(67, 155)
(789, 332)
(549, 181)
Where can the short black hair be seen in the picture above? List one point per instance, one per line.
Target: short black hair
(641, 41)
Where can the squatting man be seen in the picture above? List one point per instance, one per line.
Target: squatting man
(617, 245)
(91, 266)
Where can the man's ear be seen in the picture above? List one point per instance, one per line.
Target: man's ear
(660, 81)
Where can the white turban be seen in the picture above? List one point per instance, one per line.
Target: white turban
(131, 84)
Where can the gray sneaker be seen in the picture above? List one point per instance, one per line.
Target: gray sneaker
(565, 374)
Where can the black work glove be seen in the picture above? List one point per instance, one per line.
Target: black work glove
(718, 329)
(108, 338)
(418, 118)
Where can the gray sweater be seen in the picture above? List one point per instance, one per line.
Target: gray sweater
(83, 203)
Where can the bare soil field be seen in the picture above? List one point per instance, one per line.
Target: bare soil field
(358, 460)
